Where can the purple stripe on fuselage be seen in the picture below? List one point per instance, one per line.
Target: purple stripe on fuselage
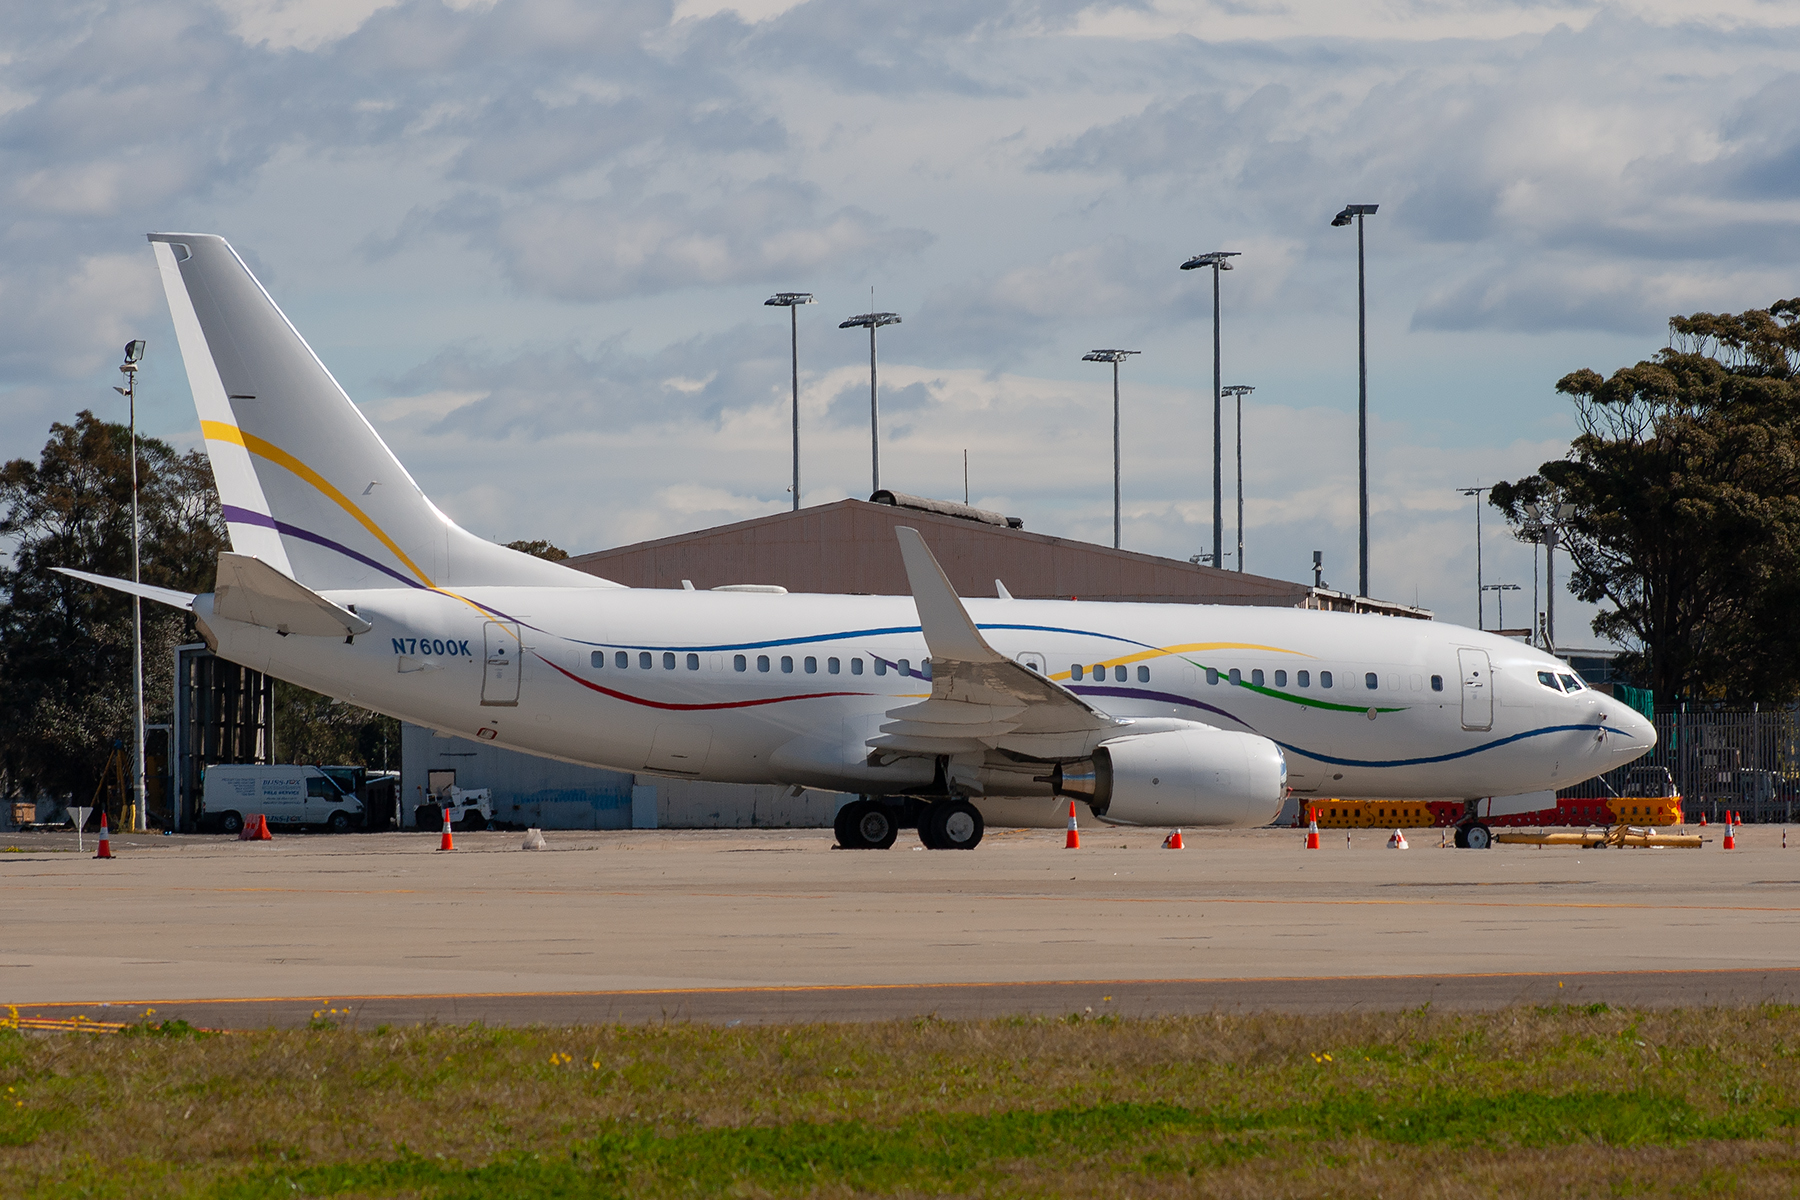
(1164, 697)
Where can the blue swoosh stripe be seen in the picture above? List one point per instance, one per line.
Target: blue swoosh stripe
(1438, 758)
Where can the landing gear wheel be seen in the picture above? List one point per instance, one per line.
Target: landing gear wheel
(865, 825)
(956, 826)
(1477, 837)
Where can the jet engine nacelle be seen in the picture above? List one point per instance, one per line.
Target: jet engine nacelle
(1191, 777)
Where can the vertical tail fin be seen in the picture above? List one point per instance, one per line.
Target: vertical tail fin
(307, 484)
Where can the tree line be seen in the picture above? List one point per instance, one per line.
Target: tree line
(1682, 517)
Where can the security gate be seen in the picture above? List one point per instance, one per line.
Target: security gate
(500, 670)
(1477, 689)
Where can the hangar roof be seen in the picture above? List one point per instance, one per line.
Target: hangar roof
(849, 547)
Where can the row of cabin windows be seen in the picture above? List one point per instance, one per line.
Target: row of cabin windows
(1078, 671)
(1371, 680)
(647, 661)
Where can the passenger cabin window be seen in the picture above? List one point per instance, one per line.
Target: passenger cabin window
(1099, 672)
(1324, 679)
(1437, 683)
(1281, 679)
(597, 658)
(1212, 675)
(1305, 678)
(1370, 681)
(1077, 672)
(1548, 679)
(811, 664)
(1236, 677)
(739, 662)
(1119, 674)
(1143, 674)
(787, 664)
(831, 666)
(644, 660)
(762, 662)
(856, 666)
(906, 666)
(1256, 678)
(693, 662)
(881, 666)
(621, 660)
(1571, 683)
(668, 660)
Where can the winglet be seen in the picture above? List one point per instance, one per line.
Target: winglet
(1000, 590)
(949, 631)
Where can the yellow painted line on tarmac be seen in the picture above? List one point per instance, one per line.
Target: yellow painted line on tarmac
(781, 989)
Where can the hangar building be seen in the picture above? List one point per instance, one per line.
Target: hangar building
(847, 547)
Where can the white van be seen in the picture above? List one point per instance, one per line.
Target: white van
(293, 796)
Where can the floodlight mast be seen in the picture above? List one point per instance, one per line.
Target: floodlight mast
(134, 354)
(1240, 390)
(1356, 212)
(1480, 598)
(1115, 357)
(1218, 260)
(873, 321)
(792, 302)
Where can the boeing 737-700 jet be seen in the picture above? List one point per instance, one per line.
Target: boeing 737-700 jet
(942, 714)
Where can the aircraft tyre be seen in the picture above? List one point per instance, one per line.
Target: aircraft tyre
(865, 825)
(1477, 837)
(952, 826)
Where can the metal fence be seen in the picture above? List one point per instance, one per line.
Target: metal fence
(1743, 762)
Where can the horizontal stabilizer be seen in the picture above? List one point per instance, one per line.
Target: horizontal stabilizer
(161, 595)
(251, 591)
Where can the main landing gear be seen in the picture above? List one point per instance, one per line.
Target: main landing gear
(942, 824)
(1474, 836)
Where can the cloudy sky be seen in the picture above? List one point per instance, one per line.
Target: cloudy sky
(532, 239)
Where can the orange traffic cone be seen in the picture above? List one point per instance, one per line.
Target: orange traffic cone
(1072, 842)
(1173, 841)
(1312, 829)
(1703, 818)
(448, 844)
(1398, 841)
(105, 838)
(1730, 831)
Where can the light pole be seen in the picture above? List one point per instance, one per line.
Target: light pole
(1218, 260)
(1357, 212)
(1500, 590)
(873, 321)
(792, 302)
(1480, 614)
(1550, 519)
(1240, 390)
(1115, 357)
(134, 353)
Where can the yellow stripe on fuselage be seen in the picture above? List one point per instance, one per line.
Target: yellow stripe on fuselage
(1189, 648)
(220, 431)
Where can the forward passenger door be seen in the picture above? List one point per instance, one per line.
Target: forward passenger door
(1477, 689)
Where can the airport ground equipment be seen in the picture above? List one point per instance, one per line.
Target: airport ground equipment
(466, 809)
(1616, 836)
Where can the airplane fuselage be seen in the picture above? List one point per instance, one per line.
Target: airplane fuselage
(787, 689)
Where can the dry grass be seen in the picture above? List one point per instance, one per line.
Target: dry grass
(1534, 1102)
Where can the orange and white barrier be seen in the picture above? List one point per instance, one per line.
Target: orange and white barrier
(1398, 841)
(1174, 842)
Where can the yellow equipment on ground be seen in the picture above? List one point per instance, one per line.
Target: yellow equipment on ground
(1623, 836)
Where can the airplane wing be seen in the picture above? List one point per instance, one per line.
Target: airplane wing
(161, 595)
(980, 699)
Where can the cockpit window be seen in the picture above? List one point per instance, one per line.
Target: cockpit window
(1548, 679)
(1571, 683)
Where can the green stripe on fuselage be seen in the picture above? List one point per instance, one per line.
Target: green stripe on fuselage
(1304, 701)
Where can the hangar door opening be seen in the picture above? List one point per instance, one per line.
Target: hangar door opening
(500, 671)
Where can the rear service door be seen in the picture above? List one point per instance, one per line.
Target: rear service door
(500, 672)
(1477, 689)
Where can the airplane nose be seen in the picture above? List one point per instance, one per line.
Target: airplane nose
(1639, 730)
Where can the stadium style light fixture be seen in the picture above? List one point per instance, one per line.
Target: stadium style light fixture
(1239, 390)
(1115, 357)
(1480, 589)
(134, 354)
(792, 302)
(1218, 260)
(873, 321)
(1500, 590)
(1356, 212)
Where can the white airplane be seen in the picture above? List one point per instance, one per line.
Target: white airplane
(943, 714)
